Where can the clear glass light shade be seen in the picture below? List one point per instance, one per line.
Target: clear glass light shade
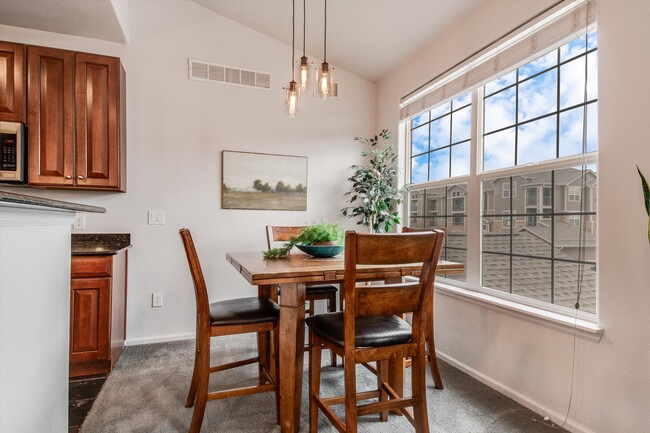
(292, 99)
(324, 88)
(304, 79)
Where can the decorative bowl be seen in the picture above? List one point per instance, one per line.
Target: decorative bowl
(321, 250)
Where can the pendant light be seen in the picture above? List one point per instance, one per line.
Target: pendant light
(304, 79)
(292, 101)
(325, 74)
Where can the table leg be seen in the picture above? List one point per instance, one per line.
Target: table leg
(396, 367)
(264, 338)
(292, 337)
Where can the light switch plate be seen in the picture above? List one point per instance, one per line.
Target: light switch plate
(79, 221)
(156, 217)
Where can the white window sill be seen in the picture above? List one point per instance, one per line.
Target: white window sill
(565, 323)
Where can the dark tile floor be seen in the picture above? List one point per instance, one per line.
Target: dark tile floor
(82, 394)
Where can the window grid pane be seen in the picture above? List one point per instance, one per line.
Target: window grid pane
(443, 206)
(443, 135)
(542, 115)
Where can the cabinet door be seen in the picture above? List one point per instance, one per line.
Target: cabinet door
(12, 82)
(97, 121)
(90, 312)
(50, 87)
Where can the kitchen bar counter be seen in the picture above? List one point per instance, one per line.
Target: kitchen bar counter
(99, 244)
(9, 198)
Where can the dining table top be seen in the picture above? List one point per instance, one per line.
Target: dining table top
(300, 267)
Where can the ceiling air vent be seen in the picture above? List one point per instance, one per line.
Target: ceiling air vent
(231, 75)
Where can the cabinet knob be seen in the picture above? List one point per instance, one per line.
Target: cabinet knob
(80, 177)
(68, 177)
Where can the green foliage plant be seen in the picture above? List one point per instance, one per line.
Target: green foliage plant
(374, 196)
(646, 197)
(310, 235)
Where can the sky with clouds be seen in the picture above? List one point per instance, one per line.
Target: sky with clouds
(441, 148)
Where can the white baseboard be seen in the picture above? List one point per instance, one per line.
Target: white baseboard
(524, 400)
(159, 339)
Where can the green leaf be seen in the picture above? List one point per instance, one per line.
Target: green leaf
(646, 194)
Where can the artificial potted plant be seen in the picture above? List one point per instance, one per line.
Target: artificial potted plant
(374, 196)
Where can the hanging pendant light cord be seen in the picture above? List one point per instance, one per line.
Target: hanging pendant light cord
(293, 36)
(325, 38)
(304, 25)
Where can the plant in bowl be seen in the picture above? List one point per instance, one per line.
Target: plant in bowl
(320, 240)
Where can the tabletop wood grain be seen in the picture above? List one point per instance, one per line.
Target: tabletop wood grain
(299, 267)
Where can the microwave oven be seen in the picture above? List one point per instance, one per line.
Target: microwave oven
(13, 164)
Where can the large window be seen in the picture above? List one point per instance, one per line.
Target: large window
(535, 148)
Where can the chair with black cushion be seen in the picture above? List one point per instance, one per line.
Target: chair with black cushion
(234, 316)
(371, 328)
(433, 360)
(314, 292)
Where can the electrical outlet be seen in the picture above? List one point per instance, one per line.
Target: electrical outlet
(157, 300)
(156, 217)
(79, 221)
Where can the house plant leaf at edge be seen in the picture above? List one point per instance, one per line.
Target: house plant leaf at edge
(646, 197)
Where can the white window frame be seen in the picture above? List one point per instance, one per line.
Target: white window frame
(505, 192)
(474, 221)
(575, 194)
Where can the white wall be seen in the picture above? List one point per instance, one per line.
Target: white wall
(528, 359)
(177, 129)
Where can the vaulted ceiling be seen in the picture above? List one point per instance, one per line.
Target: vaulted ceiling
(365, 37)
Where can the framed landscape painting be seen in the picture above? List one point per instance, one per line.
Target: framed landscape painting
(263, 181)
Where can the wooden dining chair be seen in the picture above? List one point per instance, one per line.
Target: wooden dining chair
(370, 328)
(234, 316)
(431, 346)
(314, 292)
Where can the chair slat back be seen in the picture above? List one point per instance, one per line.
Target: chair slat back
(406, 229)
(382, 300)
(394, 248)
(200, 289)
(281, 233)
(390, 249)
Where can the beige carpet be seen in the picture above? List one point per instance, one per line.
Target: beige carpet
(146, 392)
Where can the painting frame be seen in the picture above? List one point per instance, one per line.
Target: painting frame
(263, 181)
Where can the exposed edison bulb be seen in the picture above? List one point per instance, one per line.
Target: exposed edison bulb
(304, 80)
(324, 81)
(292, 104)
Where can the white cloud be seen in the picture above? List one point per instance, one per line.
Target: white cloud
(538, 96)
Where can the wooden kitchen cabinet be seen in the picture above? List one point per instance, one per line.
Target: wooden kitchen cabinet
(76, 120)
(50, 117)
(12, 82)
(97, 313)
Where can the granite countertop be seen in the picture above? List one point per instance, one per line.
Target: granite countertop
(93, 244)
(21, 199)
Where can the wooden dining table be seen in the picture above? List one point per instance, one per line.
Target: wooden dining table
(291, 274)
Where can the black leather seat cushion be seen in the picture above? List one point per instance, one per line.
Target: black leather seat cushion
(244, 311)
(321, 289)
(371, 331)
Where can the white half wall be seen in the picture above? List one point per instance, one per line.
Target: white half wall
(527, 359)
(176, 131)
(34, 318)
